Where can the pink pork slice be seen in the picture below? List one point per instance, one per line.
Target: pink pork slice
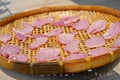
(19, 58)
(21, 37)
(5, 38)
(65, 38)
(113, 31)
(38, 42)
(95, 41)
(98, 51)
(54, 32)
(39, 23)
(46, 54)
(97, 26)
(81, 25)
(37, 36)
(116, 44)
(9, 50)
(72, 47)
(76, 56)
(65, 21)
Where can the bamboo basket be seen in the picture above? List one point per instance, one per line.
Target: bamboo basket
(92, 13)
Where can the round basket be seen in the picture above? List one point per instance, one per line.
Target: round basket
(92, 13)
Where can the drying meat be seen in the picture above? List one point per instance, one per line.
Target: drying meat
(97, 26)
(72, 46)
(95, 41)
(5, 37)
(46, 54)
(117, 43)
(9, 50)
(65, 38)
(98, 51)
(19, 58)
(81, 25)
(38, 36)
(39, 23)
(76, 56)
(65, 21)
(21, 37)
(54, 32)
(38, 42)
(113, 31)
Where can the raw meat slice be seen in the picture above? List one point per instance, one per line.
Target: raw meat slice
(25, 30)
(54, 32)
(9, 50)
(38, 36)
(19, 58)
(5, 37)
(38, 42)
(98, 51)
(76, 56)
(113, 31)
(97, 26)
(65, 38)
(116, 44)
(39, 23)
(72, 47)
(21, 36)
(46, 54)
(81, 25)
(66, 21)
(95, 41)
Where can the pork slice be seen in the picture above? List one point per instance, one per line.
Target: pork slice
(116, 44)
(97, 26)
(113, 31)
(76, 56)
(46, 54)
(37, 36)
(81, 25)
(38, 42)
(5, 38)
(9, 50)
(21, 37)
(95, 41)
(54, 32)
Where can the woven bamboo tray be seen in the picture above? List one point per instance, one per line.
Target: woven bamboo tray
(92, 13)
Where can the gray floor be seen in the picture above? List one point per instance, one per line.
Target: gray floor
(10, 7)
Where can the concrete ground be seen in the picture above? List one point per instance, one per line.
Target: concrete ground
(10, 7)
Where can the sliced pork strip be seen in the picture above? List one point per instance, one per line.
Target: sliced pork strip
(38, 36)
(113, 31)
(116, 44)
(9, 50)
(95, 41)
(97, 26)
(39, 23)
(46, 54)
(54, 32)
(21, 37)
(72, 47)
(76, 56)
(5, 38)
(38, 42)
(98, 51)
(81, 25)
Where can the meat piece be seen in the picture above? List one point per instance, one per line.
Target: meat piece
(9, 50)
(21, 36)
(65, 38)
(54, 32)
(116, 44)
(39, 23)
(76, 56)
(5, 37)
(95, 41)
(113, 31)
(38, 36)
(98, 51)
(38, 42)
(81, 25)
(19, 58)
(65, 21)
(25, 30)
(46, 54)
(97, 26)
(72, 47)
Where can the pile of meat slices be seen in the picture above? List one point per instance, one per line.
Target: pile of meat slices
(69, 42)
